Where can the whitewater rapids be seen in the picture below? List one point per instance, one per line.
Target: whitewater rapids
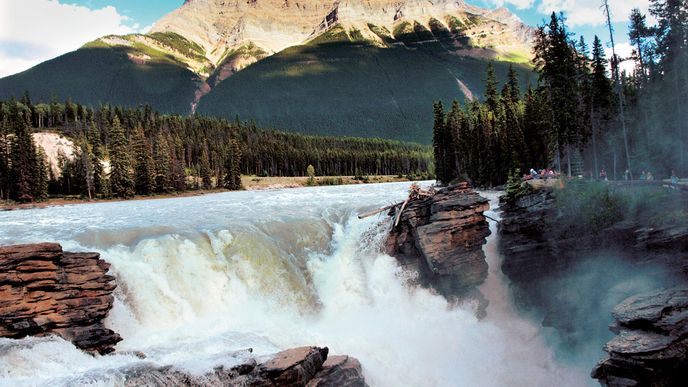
(202, 277)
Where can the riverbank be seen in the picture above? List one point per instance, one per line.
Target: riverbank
(250, 183)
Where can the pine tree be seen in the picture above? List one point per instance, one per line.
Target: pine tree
(5, 143)
(93, 139)
(121, 182)
(204, 168)
(600, 99)
(491, 95)
(439, 145)
(22, 155)
(555, 61)
(232, 178)
(85, 167)
(163, 167)
(144, 167)
(42, 176)
(672, 52)
(638, 33)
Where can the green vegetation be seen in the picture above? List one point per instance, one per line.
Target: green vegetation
(573, 119)
(342, 88)
(179, 43)
(337, 84)
(590, 207)
(96, 74)
(151, 153)
(516, 187)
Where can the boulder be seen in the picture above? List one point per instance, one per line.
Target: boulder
(44, 291)
(339, 371)
(441, 238)
(296, 367)
(651, 346)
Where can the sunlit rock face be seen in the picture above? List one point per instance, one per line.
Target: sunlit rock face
(45, 291)
(273, 25)
(441, 238)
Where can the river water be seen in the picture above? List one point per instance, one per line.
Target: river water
(200, 278)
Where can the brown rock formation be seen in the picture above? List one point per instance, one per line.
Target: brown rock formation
(441, 238)
(304, 366)
(651, 346)
(44, 290)
(339, 371)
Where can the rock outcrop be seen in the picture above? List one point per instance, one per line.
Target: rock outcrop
(219, 26)
(304, 366)
(441, 238)
(651, 346)
(44, 291)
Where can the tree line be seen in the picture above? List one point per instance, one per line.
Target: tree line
(584, 115)
(120, 152)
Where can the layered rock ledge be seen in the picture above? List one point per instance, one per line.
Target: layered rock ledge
(297, 367)
(651, 346)
(45, 291)
(441, 238)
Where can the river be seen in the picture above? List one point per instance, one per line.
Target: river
(202, 277)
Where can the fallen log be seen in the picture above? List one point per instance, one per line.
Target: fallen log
(396, 221)
(379, 210)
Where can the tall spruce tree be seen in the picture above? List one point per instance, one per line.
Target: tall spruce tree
(232, 178)
(442, 149)
(144, 167)
(555, 61)
(23, 163)
(121, 182)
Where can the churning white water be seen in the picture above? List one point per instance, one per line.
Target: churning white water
(203, 277)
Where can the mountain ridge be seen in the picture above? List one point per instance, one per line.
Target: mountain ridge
(195, 51)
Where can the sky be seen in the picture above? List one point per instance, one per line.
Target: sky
(33, 31)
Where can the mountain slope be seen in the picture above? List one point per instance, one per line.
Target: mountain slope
(349, 87)
(99, 73)
(369, 68)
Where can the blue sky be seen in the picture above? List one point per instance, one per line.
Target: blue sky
(32, 31)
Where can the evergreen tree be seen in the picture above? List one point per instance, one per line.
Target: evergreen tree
(23, 163)
(144, 167)
(163, 168)
(638, 33)
(42, 176)
(121, 182)
(442, 171)
(204, 170)
(555, 61)
(491, 95)
(232, 178)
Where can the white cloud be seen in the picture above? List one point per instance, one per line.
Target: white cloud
(624, 51)
(32, 31)
(589, 12)
(519, 4)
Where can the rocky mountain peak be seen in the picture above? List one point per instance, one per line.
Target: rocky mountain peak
(273, 25)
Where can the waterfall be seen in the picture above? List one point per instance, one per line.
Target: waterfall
(200, 278)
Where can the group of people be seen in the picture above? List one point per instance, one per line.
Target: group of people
(548, 173)
(542, 174)
(646, 175)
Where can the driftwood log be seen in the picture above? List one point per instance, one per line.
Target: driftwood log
(415, 193)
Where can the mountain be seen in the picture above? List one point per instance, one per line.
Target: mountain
(364, 68)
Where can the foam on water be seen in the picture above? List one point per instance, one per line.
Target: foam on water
(200, 278)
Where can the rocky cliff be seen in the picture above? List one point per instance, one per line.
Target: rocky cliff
(44, 291)
(441, 238)
(651, 346)
(220, 26)
(570, 278)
